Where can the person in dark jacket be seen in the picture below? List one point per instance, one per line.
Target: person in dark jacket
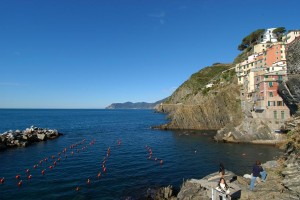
(257, 171)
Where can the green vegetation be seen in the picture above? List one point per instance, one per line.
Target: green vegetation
(251, 39)
(201, 78)
(243, 56)
(279, 33)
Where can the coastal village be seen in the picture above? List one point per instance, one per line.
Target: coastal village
(260, 75)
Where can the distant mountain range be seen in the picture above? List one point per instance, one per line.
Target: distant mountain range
(130, 105)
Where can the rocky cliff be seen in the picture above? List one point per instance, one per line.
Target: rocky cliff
(207, 101)
(290, 89)
(210, 100)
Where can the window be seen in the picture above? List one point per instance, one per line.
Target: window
(275, 114)
(266, 76)
(270, 94)
(282, 114)
(271, 103)
(279, 103)
(280, 77)
(270, 84)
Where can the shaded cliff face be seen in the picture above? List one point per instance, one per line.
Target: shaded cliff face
(290, 89)
(193, 106)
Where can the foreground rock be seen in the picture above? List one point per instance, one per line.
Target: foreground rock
(273, 188)
(17, 138)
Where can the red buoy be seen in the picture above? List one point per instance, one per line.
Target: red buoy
(50, 167)
(43, 171)
(2, 180)
(104, 169)
(20, 183)
(99, 175)
(18, 176)
(88, 181)
(161, 162)
(54, 163)
(34, 166)
(27, 171)
(29, 177)
(77, 188)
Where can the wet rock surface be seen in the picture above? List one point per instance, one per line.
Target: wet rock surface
(17, 138)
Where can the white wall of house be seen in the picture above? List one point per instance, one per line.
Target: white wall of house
(291, 36)
(268, 36)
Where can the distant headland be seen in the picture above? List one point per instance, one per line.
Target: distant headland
(131, 105)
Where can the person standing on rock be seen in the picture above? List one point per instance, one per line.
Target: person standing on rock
(257, 171)
(263, 173)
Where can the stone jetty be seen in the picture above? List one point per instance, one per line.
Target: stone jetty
(17, 138)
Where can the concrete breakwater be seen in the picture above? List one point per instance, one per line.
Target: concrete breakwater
(17, 138)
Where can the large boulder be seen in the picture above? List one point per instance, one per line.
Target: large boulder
(41, 136)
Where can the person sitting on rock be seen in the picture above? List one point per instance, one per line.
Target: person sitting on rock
(221, 172)
(223, 188)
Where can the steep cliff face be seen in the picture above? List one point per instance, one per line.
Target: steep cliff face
(207, 101)
(290, 89)
(210, 100)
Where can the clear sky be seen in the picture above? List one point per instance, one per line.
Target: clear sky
(91, 53)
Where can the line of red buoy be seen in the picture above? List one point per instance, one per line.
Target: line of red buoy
(29, 176)
(150, 155)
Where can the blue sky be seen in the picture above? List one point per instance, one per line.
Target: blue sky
(90, 53)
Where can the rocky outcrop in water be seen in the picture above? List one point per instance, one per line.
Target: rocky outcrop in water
(17, 138)
(290, 90)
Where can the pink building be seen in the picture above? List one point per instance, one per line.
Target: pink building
(268, 103)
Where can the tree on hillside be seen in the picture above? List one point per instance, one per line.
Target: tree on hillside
(251, 39)
(279, 32)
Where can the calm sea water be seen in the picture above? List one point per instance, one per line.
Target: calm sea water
(129, 171)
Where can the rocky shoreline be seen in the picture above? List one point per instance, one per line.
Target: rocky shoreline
(277, 186)
(17, 138)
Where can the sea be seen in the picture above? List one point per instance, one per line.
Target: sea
(137, 159)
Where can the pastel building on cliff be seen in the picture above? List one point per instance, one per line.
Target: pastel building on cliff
(268, 36)
(267, 102)
(291, 36)
(259, 75)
